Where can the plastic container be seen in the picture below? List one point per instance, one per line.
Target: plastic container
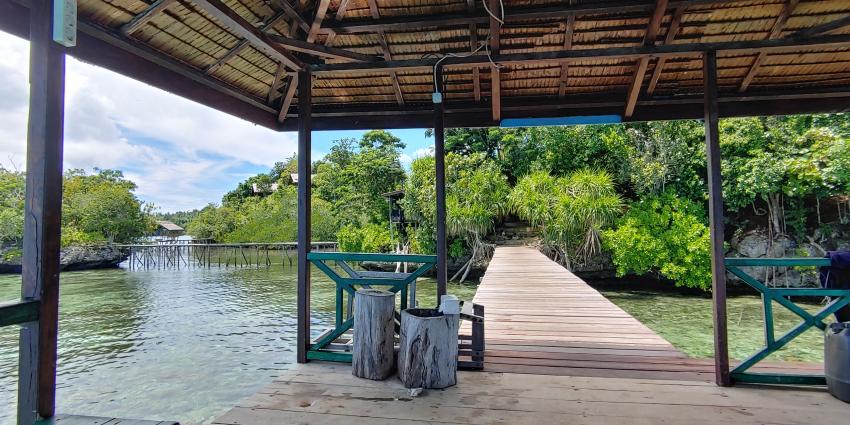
(836, 360)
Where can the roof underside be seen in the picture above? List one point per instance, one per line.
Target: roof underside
(372, 60)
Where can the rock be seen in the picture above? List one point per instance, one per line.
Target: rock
(74, 258)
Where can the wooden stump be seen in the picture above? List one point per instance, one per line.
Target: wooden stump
(373, 355)
(427, 356)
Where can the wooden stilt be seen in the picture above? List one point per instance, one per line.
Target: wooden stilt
(304, 207)
(40, 264)
(715, 214)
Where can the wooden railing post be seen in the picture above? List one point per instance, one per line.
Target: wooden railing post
(440, 178)
(42, 212)
(304, 210)
(715, 216)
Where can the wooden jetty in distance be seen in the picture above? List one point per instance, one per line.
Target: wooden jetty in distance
(173, 254)
(557, 351)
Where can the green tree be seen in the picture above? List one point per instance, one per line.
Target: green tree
(103, 207)
(12, 192)
(665, 235)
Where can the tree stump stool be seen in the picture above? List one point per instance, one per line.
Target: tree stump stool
(373, 354)
(427, 356)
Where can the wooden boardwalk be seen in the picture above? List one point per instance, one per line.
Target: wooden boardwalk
(542, 319)
(327, 394)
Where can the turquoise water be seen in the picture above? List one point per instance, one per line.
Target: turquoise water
(182, 345)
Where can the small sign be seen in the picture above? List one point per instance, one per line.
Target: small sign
(65, 22)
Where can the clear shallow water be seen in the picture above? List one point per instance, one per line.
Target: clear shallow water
(687, 323)
(182, 345)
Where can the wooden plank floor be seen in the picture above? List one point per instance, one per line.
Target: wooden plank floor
(325, 393)
(542, 319)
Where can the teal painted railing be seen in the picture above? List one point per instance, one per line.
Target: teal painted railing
(393, 282)
(839, 298)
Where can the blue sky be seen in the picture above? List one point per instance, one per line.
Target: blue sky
(181, 154)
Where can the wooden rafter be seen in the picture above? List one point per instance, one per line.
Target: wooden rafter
(291, 88)
(559, 12)
(473, 46)
(319, 50)
(495, 72)
(672, 30)
(775, 32)
(279, 74)
(692, 50)
(296, 20)
(236, 23)
(340, 11)
(822, 28)
(642, 64)
(144, 17)
(242, 44)
(568, 45)
(321, 11)
(385, 48)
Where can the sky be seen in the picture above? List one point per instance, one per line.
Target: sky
(181, 154)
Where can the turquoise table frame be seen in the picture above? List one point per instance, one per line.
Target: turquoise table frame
(839, 299)
(393, 282)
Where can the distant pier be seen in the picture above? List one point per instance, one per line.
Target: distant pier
(176, 255)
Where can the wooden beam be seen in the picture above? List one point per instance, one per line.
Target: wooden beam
(633, 52)
(279, 75)
(822, 28)
(287, 98)
(568, 45)
(715, 217)
(495, 72)
(373, 9)
(298, 21)
(382, 40)
(144, 17)
(642, 64)
(236, 23)
(305, 129)
(319, 50)
(321, 11)
(672, 30)
(340, 11)
(775, 32)
(242, 44)
(42, 217)
(559, 12)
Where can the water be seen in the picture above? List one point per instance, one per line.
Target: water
(182, 345)
(687, 323)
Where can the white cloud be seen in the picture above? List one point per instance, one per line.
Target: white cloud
(423, 152)
(173, 146)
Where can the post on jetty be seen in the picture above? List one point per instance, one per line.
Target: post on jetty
(187, 255)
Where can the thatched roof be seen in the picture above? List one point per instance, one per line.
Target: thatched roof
(372, 60)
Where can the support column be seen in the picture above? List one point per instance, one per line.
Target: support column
(42, 216)
(716, 222)
(440, 173)
(305, 127)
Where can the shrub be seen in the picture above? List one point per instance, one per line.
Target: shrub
(666, 235)
(367, 238)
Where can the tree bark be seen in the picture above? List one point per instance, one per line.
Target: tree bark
(427, 356)
(373, 355)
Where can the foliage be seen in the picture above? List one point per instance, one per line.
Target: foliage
(279, 174)
(12, 192)
(180, 218)
(664, 234)
(571, 211)
(368, 238)
(353, 179)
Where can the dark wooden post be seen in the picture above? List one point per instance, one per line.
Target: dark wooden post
(715, 216)
(42, 215)
(440, 173)
(305, 110)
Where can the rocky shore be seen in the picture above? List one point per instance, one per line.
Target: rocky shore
(70, 258)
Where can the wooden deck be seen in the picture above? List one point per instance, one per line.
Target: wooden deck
(325, 394)
(544, 320)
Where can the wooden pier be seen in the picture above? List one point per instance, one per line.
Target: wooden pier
(178, 254)
(557, 352)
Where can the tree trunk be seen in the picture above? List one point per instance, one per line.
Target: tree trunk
(427, 356)
(373, 355)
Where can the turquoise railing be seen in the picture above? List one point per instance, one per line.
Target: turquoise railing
(839, 299)
(393, 282)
